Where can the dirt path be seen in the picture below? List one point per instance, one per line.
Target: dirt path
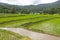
(32, 35)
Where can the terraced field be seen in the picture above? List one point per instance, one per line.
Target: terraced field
(8, 35)
(15, 21)
(49, 24)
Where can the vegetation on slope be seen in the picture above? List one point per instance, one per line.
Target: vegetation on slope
(50, 8)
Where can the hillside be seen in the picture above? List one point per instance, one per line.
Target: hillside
(50, 8)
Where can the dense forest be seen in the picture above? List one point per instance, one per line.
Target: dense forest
(50, 8)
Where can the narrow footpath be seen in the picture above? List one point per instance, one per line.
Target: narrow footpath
(32, 35)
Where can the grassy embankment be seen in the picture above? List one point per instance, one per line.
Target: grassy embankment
(8, 35)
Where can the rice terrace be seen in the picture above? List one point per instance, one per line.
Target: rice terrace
(29, 19)
(46, 24)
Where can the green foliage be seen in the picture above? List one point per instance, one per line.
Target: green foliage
(51, 8)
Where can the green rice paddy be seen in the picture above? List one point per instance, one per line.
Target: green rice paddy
(49, 24)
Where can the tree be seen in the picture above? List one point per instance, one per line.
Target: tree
(13, 10)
